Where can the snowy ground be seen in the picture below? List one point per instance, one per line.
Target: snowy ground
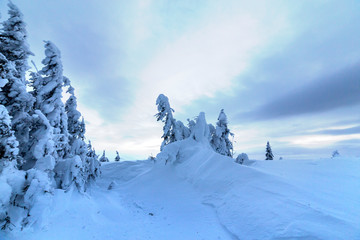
(207, 196)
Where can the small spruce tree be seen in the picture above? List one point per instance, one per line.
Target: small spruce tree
(117, 158)
(269, 155)
(220, 138)
(104, 158)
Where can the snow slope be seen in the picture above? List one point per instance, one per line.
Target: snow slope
(202, 195)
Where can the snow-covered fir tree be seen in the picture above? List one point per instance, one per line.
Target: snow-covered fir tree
(92, 164)
(8, 143)
(165, 115)
(241, 158)
(48, 93)
(18, 102)
(12, 181)
(117, 158)
(181, 131)
(76, 126)
(269, 155)
(220, 139)
(13, 41)
(191, 124)
(103, 158)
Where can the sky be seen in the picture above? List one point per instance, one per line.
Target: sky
(287, 72)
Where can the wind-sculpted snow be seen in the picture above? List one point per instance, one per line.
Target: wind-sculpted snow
(253, 204)
(199, 194)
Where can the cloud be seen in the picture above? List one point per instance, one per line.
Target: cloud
(345, 131)
(339, 90)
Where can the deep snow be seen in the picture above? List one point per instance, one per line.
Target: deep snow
(203, 195)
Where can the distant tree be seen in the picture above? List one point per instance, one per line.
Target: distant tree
(103, 158)
(241, 158)
(269, 155)
(117, 158)
(165, 115)
(335, 154)
(13, 41)
(220, 139)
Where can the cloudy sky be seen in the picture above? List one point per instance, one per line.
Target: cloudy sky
(287, 72)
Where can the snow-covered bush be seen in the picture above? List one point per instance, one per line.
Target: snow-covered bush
(241, 158)
(70, 173)
(335, 154)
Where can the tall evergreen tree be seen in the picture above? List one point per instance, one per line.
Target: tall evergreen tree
(165, 115)
(76, 127)
(47, 86)
(220, 139)
(74, 123)
(13, 41)
(18, 103)
(268, 154)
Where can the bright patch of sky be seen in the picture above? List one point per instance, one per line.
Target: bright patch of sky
(284, 71)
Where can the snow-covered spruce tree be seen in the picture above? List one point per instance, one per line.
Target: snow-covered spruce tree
(93, 165)
(13, 41)
(12, 181)
(117, 158)
(18, 103)
(269, 155)
(48, 93)
(220, 139)
(8, 143)
(181, 131)
(103, 158)
(241, 158)
(76, 127)
(165, 115)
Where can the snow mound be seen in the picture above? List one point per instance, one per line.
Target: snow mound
(275, 199)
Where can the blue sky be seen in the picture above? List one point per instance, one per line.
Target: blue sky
(284, 71)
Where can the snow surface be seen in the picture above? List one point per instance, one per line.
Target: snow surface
(204, 195)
